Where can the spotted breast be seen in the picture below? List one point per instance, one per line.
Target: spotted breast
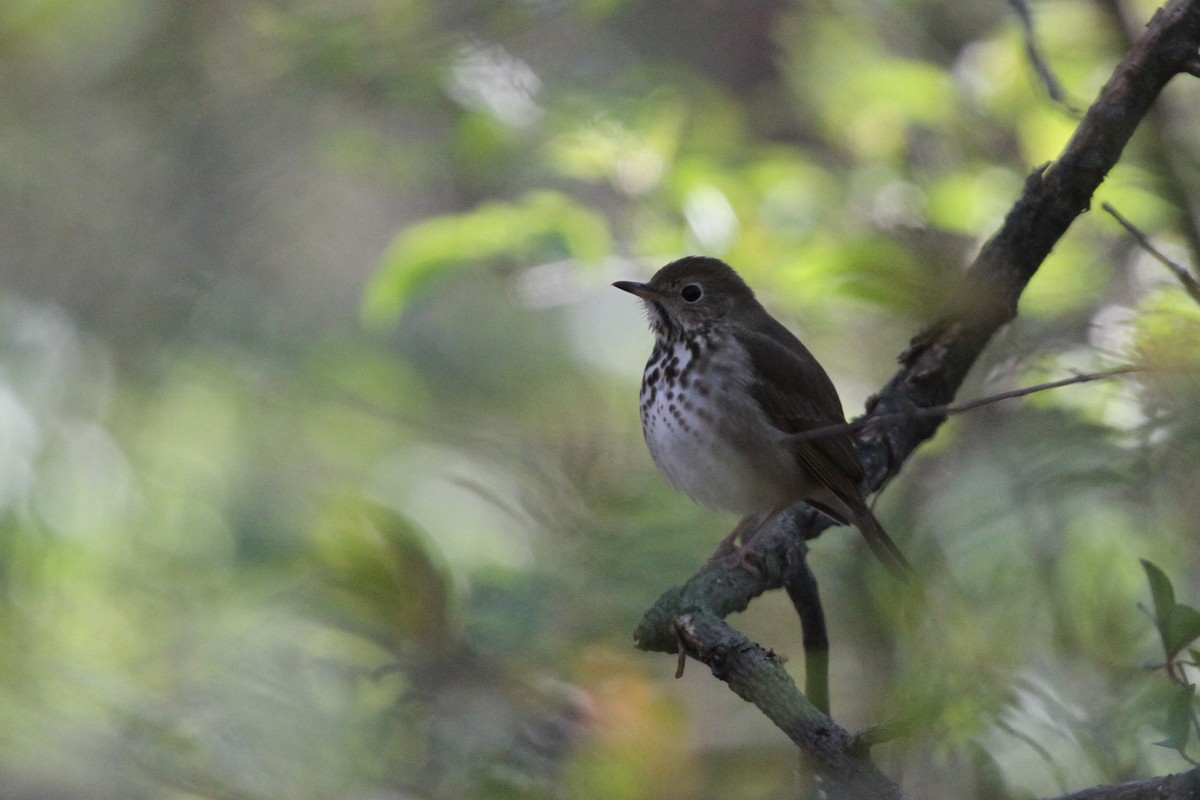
(690, 404)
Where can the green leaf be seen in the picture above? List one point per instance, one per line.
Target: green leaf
(541, 226)
(1178, 726)
(1162, 592)
(1178, 624)
(1181, 629)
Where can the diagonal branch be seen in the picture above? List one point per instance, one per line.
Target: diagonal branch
(1040, 65)
(1190, 284)
(1170, 787)
(961, 408)
(933, 368)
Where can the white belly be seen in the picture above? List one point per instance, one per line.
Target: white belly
(693, 440)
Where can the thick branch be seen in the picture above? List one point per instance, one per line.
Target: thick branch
(933, 368)
(1185, 786)
(939, 358)
(1176, 175)
(757, 676)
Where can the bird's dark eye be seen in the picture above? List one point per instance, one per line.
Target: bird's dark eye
(691, 293)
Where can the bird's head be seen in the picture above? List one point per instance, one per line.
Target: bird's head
(690, 295)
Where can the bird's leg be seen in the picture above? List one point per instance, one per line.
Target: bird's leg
(748, 529)
(728, 545)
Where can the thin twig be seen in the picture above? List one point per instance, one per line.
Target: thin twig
(949, 410)
(1190, 284)
(1053, 87)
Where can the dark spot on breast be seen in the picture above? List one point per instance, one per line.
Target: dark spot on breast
(671, 369)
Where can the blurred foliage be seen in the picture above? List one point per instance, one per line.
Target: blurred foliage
(542, 226)
(253, 548)
(1179, 627)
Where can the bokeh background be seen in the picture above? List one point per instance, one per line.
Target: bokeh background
(320, 469)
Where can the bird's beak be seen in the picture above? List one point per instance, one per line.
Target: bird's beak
(640, 289)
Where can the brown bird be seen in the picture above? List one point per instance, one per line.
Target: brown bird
(726, 389)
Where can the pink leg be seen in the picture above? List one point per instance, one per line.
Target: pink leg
(729, 544)
(748, 530)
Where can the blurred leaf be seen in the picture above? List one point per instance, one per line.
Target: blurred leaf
(1130, 189)
(866, 99)
(378, 580)
(632, 157)
(634, 750)
(1168, 334)
(542, 226)
(971, 201)
(1072, 279)
(1044, 131)
(1178, 725)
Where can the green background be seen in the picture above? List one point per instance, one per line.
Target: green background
(320, 468)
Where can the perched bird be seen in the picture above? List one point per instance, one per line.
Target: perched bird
(725, 392)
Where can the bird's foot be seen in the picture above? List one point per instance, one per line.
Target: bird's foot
(733, 555)
(743, 557)
(729, 545)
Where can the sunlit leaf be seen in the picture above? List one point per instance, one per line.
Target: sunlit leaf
(865, 98)
(1130, 189)
(971, 202)
(1071, 280)
(1044, 131)
(1168, 334)
(542, 226)
(630, 156)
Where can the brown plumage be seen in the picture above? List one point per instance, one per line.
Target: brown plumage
(723, 395)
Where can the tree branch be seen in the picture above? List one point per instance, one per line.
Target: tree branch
(961, 408)
(757, 676)
(802, 590)
(1184, 786)
(1190, 284)
(1040, 65)
(689, 617)
(1164, 143)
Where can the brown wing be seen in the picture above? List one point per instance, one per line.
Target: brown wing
(797, 395)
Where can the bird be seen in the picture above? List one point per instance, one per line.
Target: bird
(725, 393)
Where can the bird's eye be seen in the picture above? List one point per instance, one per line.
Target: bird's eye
(691, 293)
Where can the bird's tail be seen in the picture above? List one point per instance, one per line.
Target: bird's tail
(882, 545)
